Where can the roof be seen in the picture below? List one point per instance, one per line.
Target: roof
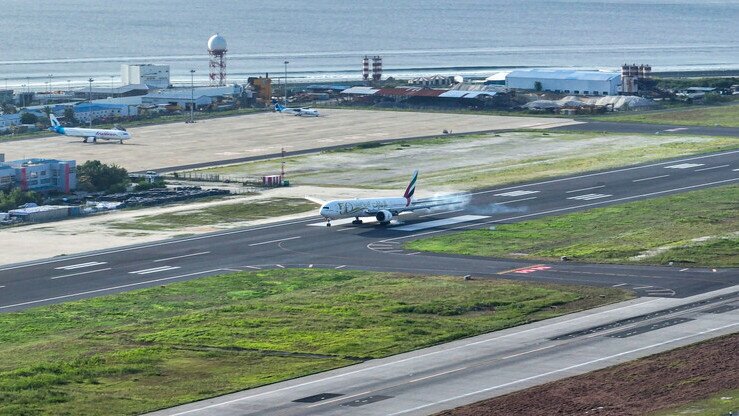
(42, 208)
(454, 94)
(360, 91)
(498, 76)
(410, 92)
(186, 93)
(327, 87)
(114, 91)
(564, 74)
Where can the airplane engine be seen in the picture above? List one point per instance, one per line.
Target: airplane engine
(384, 216)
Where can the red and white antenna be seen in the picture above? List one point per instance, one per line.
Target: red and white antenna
(217, 51)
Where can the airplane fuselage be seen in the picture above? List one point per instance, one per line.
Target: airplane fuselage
(347, 208)
(94, 134)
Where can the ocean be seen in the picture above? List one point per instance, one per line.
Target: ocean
(65, 42)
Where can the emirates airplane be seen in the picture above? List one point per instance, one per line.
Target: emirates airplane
(384, 209)
(117, 134)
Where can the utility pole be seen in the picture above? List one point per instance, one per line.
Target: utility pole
(89, 100)
(51, 76)
(286, 62)
(192, 96)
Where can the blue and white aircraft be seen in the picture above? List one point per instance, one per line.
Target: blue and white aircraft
(117, 134)
(300, 112)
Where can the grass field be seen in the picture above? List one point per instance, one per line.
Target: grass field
(720, 404)
(139, 351)
(698, 228)
(480, 161)
(725, 116)
(219, 214)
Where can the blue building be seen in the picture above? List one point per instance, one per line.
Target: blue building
(566, 81)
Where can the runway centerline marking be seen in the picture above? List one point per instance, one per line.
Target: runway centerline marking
(81, 273)
(529, 352)
(440, 213)
(685, 166)
(565, 369)
(437, 375)
(155, 270)
(649, 179)
(183, 256)
(81, 265)
(585, 189)
(517, 193)
(89, 292)
(517, 200)
(275, 241)
(711, 168)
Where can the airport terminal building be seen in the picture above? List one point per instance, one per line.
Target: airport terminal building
(566, 81)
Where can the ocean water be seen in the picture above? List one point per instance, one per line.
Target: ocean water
(73, 40)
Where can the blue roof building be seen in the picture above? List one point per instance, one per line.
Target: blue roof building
(566, 81)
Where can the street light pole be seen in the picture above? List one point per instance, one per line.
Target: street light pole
(89, 100)
(286, 62)
(192, 96)
(51, 76)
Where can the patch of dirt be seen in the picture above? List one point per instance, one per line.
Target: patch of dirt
(635, 388)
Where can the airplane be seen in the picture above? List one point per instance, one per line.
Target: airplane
(118, 133)
(300, 112)
(384, 209)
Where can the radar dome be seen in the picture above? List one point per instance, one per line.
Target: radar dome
(217, 43)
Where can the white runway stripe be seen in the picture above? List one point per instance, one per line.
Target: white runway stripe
(585, 189)
(712, 167)
(439, 223)
(81, 273)
(81, 265)
(649, 179)
(588, 197)
(516, 193)
(155, 270)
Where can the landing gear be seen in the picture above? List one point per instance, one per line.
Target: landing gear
(357, 221)
(120, 141)
(328, 223)
(95, 140)
(84, 140)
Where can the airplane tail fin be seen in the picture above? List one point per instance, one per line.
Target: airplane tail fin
(279, 108)
(54, 121)
(411, 189)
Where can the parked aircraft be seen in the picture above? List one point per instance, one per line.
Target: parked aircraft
(300, 112)
(384, 209)
(117, 134)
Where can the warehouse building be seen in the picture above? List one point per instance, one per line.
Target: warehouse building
(565, 81)
(153, 76)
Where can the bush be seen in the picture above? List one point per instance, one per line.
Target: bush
(94, 176)
(12, 199)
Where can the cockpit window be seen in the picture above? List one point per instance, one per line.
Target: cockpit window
(326, 207)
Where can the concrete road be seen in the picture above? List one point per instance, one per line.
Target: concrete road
(308, 243)
(461, 372)
(239, 137)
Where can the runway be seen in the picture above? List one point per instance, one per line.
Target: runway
(433, 379)
(307, 243)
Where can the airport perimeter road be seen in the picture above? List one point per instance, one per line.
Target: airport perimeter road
(426, 381)
(648, 128)
(309, 243)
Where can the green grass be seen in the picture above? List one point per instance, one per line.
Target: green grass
(139, 351)
(482, 168)
(219, 214)
(718, 405)
(725, 116)
(617, 234)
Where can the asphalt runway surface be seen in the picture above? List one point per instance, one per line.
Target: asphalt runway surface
(309, 243)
